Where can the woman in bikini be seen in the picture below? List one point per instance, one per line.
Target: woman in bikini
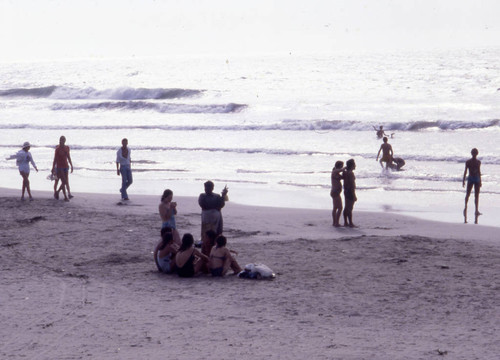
(165, 251)
(221, 259)
(189, 261)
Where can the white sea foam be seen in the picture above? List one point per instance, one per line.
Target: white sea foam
(270, 124)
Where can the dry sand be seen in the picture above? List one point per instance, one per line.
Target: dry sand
(79, 282)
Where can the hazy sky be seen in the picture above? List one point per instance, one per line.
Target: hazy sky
(31, 29)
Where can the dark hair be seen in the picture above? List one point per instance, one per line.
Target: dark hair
(221, 241)
(474, 152)
(385, 139)
(209, 185)
(350, 164)
(187, 242)
(166, 194)
(166, 236)
(212, 235)
(339, 164)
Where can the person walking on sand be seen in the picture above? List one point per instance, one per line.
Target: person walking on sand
(473, 166)
(60, 168)
(168, 210)
(349, 192)
(387, 153)
(123, 167)
(23, 159)
(336, 191)
(211, 216)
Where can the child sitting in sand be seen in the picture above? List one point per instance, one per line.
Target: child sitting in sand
(165, 251)
(189, 261)
(221, 259)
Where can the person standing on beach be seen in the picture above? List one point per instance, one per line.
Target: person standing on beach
(387, 153)
(211, 216)
(168, 210)
(123, 167)
(336, 191)
(473, 166)
(60, 167)
(349, 192)
(23, 159)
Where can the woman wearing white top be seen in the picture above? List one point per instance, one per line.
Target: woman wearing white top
(23, 160)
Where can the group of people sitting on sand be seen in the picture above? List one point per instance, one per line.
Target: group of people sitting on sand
(180, 256)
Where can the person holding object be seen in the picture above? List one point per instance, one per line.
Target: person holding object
(211, 216)
(168, 210)
(123, 167)
(23, 159)
(473, 165)
(60, 168)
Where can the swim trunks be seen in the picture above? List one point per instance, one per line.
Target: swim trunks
(474, 179)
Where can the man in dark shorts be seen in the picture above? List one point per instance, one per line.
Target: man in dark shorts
(387, 153)
(473, 165)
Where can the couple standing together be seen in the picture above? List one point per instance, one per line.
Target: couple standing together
(339, 172)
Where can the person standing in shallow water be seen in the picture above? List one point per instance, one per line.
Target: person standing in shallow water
(473, 166)
(123, 167)
(387, 153)
(349, 192)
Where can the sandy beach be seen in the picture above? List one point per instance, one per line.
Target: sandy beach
(79, 282)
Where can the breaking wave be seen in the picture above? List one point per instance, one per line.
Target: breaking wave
(123, 93)
(159, 107)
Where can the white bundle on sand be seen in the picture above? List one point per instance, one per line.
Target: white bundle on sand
(257, 271)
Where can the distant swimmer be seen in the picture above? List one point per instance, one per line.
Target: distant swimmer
(381, 133)
(397, 163)
(387, 153)
(473, 165)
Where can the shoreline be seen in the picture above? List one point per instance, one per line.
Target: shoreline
(367, 222)
(79, 280)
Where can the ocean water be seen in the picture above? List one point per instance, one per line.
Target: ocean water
(270, 127)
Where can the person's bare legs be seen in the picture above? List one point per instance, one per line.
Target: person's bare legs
(349, 204)
(67, 186)
(476, 202)
(61, 174)
(26, 185)
(467, 195)
(337, 210)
